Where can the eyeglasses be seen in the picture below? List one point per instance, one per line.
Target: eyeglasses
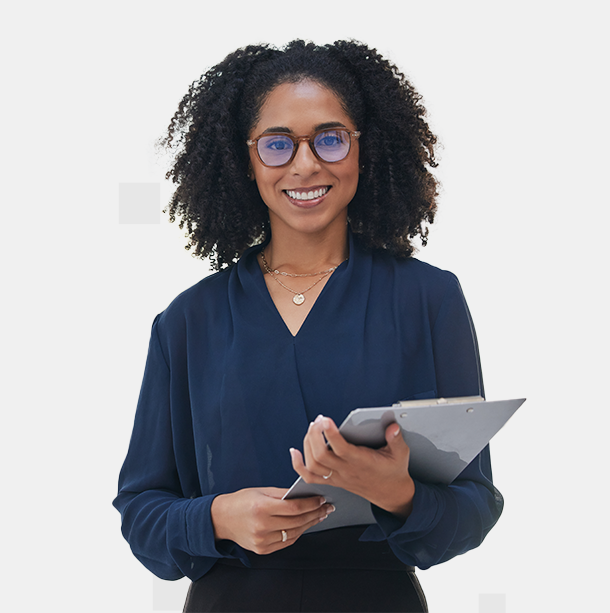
(278, 148)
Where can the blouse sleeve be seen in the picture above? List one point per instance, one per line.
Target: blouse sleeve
(172, 535)
(447, 520)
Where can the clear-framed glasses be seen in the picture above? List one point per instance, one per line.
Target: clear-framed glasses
(278, 148)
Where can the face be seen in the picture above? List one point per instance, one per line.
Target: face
(307, 195)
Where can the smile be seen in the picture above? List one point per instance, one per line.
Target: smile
(307, 195)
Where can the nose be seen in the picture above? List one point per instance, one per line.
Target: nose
(305, 163)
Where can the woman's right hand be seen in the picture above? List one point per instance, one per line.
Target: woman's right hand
(257, 518)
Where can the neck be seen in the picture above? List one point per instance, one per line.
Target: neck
(301, 253)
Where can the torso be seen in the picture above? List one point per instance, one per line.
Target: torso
(240, 371)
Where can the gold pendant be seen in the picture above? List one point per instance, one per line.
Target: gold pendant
(298, 299)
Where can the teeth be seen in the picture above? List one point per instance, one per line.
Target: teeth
(316, 193)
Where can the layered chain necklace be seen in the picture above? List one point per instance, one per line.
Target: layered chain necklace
(298, 297)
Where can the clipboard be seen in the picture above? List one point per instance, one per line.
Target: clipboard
(444, 435)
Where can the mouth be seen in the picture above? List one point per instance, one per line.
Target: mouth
(307, 196)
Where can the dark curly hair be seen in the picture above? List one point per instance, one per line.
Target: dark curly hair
(221, 207)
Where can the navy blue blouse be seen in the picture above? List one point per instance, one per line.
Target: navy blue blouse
(228, 389)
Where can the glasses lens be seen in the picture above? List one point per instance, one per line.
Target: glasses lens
(332, 145)
(275, 149)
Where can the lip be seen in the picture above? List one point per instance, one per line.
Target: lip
(307, 204)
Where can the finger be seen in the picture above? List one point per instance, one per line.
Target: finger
(340, 447)
(319, 441)
(302, 470)
(314, 444)
(302, 522)
(315, 438)
(272, 505)
(392, 431)
(293, 533)
(395, 440)
(297, 507)
(319, 459)
(297, 459)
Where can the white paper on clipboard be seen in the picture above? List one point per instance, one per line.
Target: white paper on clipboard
(444, 435)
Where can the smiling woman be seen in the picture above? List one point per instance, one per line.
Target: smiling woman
(305, 193)
(306, 172)
(222, 209)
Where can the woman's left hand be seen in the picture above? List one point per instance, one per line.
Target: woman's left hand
(379, 475)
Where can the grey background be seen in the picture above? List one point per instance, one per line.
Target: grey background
(518, 95)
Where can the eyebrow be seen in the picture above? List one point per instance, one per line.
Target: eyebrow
(322, 126)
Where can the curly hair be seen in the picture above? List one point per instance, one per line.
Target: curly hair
(221, 207)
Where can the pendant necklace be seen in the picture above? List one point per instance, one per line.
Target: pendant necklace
(298, 297)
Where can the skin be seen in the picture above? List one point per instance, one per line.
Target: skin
(301, 108)
(310, 237)
(379, 475)
(307, 236)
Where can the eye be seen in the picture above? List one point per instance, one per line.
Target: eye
(329, 140)
(276, 143)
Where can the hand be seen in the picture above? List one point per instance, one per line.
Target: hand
(257, 518)
(379, 475)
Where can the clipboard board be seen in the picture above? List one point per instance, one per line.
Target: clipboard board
(444, 435)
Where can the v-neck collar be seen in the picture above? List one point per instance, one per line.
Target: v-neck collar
(337, 283)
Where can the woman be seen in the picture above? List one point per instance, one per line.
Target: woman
(310, 167)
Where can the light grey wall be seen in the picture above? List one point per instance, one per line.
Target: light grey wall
(518, 94)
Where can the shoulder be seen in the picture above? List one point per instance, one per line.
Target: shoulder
(425, 273)
(412, 274)
(410, 269)
(410, 287)
(207, 297)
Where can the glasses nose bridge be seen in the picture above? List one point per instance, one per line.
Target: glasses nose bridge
(298, 139)
(308, 138)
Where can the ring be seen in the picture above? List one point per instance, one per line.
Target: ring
(284, 536)
(330, 474)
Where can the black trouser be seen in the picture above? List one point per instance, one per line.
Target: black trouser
(329, 571)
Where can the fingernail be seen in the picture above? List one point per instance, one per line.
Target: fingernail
(331, 509)
(322, 500)
(326, 423)
(319, 419)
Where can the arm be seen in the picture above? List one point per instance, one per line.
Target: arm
(424, 524)
(171, 528)
(168, 531)
(448, 520)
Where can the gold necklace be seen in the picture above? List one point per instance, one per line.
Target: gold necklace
(298, 297)
(290, 274)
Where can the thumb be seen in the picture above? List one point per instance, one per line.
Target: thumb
(393, 436)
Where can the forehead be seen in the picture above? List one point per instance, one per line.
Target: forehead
(301, 107)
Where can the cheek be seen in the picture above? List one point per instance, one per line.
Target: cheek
(266, 181)
(353, 176)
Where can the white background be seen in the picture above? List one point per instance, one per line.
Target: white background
(518, 95)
